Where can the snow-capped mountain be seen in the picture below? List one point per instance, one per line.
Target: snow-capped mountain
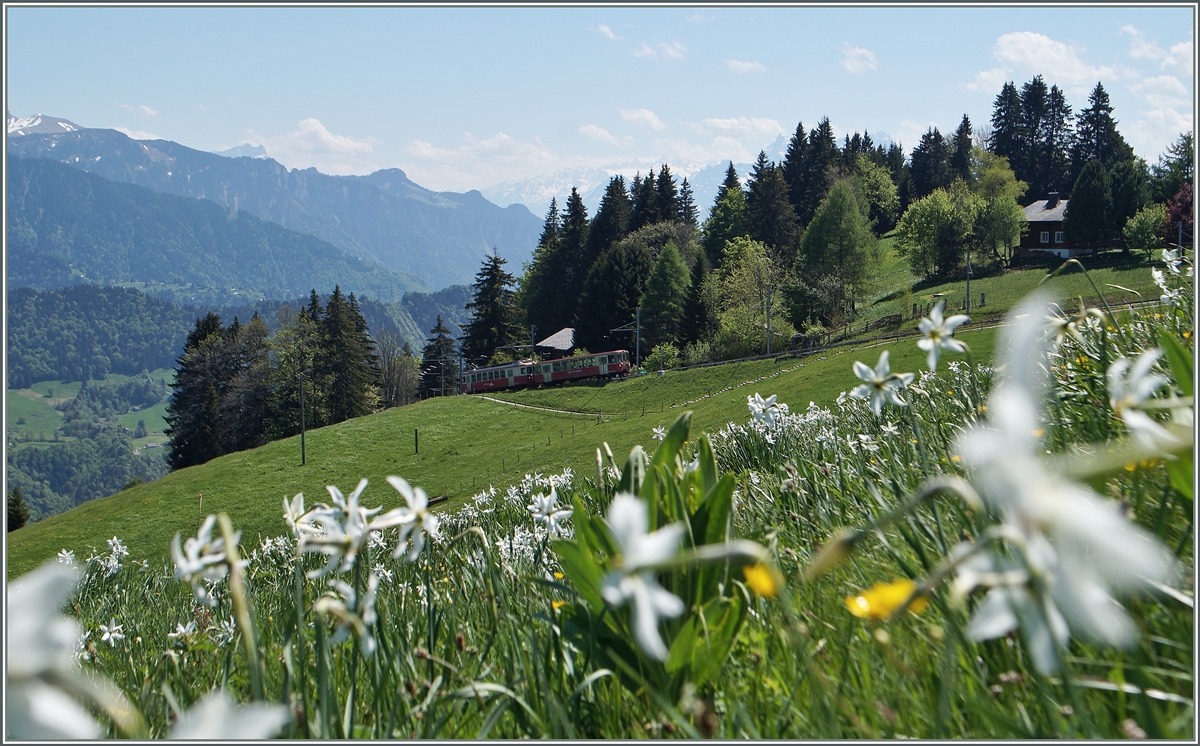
(245, 150)
(536, 192)
(38, 125)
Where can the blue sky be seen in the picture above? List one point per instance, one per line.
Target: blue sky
(465, 98)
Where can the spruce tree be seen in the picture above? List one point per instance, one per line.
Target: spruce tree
(769, 214)
(727, 219)
(246, 399)
(611, 223)
(345, 361)
(931, 164)
(1007, 138)
(687, 207)
(697, 320)
(541, 285)
(1088, 217)
(492, 311)
(666, 195)
(644, 208)
(1096, 135)
(575, 264)
(439, 363)
(611, 294)
(18, 511)
(1130, 190)
(1035, 105)
(1174, 168)
(960, 157)
(664, 299)
(822, 154)
(1058, 139)
(193, 411)
(794, 167)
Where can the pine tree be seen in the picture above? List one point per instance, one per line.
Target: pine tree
(439, 363)
(246, 397)
(687, 207)
(1096, 135)
(293, 349)
(1174, 168)
(727, 220)
(664, 299)
(492, 312)
(1088, 217)
(960, 157)
(611, 223)
(769, 214)
(18, 511)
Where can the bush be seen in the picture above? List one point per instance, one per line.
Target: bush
(1144, 230)
(663, 357)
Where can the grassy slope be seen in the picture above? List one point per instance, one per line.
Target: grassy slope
(464, 441)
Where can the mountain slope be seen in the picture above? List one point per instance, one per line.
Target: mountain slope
(62, 221)
(439, 239)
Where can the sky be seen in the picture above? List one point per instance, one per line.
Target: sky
(467, 98)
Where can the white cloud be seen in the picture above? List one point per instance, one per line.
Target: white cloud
(990, 81)
(1038, 54)
(722, 148)
(674, 50)
(606, 32)
(1163, 91)
(599, 134)
(643, 118)
(138, 134)
(858, 60)
(744, 66)
(645, 51)
(747, 126)
(698, 17)
(478, 161)
(312, 145)
(1153, 131)
(1178, 58)
(140, 110)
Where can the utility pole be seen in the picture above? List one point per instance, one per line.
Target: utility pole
(635, 327)
(967, 308)
(767, 307)
(302, 418)
(532, 341)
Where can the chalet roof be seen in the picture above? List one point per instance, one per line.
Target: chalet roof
(1046, 211)
(563, 339)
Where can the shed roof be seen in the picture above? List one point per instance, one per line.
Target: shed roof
(1042, 212)
(563, 339)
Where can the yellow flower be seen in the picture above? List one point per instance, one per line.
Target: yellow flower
(762, 580)
(556, 605)
(949, 393)
(884, 598)
(1039, 432)
(558, 576)
(956, 458)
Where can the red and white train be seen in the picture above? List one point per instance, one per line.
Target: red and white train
(527, 374)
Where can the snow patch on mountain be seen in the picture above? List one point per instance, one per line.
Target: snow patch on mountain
(245, 150)
(38, 125)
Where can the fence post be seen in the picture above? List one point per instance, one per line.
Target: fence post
(983, 299)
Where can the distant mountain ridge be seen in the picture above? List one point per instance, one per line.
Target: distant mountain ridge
(66, 226)
(435, 239)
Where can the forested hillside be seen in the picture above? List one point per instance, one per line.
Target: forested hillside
(433, 239)
(109, 233)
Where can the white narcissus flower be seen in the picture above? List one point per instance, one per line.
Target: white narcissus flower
(416, 519)
(1076, 547)
(545, 510)
(881, 384)
(632, 577)
(766, 410)
(218, 718)
(66, 556)
(1129, 386)
(660, 433)
(345, 530)
(111, 633)
(201, 558)
(1172, 258)
(938, 333)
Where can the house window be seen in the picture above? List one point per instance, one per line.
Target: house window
(1058, 236)
(1044, 237)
